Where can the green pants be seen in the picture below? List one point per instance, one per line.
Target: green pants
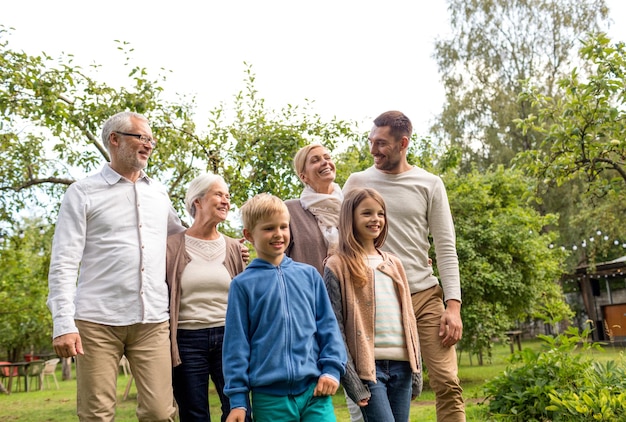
(301, 408)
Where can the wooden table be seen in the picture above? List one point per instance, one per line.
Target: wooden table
(515, 336)
(14, 371)
(44, 356)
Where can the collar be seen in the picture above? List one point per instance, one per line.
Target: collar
(112, 177)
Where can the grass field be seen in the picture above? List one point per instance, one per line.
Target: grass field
(60, 405)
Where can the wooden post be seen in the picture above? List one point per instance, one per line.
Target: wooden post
(66, 368)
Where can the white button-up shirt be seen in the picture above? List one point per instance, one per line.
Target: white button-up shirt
(111, 236)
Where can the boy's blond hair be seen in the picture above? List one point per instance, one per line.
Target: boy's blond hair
(259, 207)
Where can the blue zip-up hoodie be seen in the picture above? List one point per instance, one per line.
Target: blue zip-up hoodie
(281, 333)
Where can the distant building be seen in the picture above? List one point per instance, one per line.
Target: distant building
(598, 296)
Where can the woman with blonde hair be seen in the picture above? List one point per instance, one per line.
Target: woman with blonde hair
(315, 215)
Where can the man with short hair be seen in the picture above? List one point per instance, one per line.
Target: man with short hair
(417, 206)
(107, 290)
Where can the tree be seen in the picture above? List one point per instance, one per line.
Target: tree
(507, 269)
(257, 147)
(494, 47)
(25, 322)
(51, 112)
(583, 144)
(584, 125)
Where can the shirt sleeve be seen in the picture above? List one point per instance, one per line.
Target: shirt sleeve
(236, 349)
(444, 238)
(174, 224)
(332, 359)
(351, 382)
(67, 250)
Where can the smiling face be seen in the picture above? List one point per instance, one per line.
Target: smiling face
(214, 204)
(369, 220)
(128, 154)
(388, 152)
(319, 170)
(270, 237)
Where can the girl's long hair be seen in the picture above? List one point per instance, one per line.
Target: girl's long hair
(350, 250)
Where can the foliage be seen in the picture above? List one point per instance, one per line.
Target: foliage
(592, 224)
(24, 318)
(356, 157)
(583, 126)
(507, 270)
(495, 45)
(581, 158)
(603, 399)
(257, 147)
(557, 383)
(51, 112)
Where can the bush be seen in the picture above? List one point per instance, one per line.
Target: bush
(559, 383)
(601, 399)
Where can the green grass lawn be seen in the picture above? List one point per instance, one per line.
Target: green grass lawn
(51, 405)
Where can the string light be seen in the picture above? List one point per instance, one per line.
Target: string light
(592, 239)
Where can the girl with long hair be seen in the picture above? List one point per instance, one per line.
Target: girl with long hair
(370, 295)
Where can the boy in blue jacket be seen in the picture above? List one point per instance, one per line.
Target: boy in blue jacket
(282, 343)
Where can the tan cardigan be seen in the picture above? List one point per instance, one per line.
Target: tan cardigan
(176, 260)
(355, 311)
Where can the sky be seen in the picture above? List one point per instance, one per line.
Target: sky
(353, 58)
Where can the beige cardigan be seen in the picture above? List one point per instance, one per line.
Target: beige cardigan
(355, 311)
(176, 260)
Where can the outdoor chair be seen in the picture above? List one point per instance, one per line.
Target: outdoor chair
(49, 369)
(4, 373)
(33, 371)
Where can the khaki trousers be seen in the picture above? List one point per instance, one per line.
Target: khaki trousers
(440, 361)
(147, 347)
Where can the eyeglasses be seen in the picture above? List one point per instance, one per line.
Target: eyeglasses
(143, 138)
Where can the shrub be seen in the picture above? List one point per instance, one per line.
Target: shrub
(601, 399)
(559, 383)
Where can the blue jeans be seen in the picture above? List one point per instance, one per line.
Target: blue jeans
(201, 356)
(391, 395)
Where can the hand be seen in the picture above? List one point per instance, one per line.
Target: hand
(326, 386)
(451, 326)
(236, 415)
(417, 384)
(363, 403)
(245, 252)
(68, 345)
